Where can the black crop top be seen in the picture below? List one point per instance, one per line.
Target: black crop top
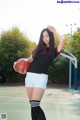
(42, 62)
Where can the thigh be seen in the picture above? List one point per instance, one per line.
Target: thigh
(29, 92)
(37, 93)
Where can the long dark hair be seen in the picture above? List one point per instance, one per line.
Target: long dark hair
(41, 45)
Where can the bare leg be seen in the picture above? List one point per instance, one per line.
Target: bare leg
(29, 93)
(35, 95)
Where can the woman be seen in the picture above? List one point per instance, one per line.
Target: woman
(37, 75)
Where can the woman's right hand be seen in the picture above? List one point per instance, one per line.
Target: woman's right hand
(51, 28)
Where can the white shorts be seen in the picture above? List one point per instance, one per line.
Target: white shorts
(36, 80)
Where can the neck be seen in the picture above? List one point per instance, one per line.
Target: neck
(47, 45)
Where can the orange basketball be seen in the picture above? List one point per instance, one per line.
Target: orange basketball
(21, 66)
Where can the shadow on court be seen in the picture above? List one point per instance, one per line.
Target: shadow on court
(58, 103)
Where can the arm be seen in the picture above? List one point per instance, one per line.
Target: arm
(30, 59)
(61, 39)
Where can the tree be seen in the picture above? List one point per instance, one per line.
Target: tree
(58, 70)
(76, 44)
(32, 46)
(13, 45)
(76, 47)
(67, 42)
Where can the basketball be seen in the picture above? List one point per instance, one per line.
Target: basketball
(21, 66)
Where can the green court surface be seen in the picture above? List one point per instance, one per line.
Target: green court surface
(58, 103)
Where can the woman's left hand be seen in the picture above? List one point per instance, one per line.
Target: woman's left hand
(51, 28)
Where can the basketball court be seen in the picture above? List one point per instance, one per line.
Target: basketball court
(58, 103)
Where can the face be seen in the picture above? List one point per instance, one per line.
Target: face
(46, 37)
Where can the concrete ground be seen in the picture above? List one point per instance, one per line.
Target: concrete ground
(58, 103)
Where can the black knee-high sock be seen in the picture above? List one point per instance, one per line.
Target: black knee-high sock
(36, 109)
(33, 115)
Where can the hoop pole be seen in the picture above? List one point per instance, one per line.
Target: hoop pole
(75, 78)
(70, 73)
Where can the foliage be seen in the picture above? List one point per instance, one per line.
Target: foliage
(58, 70)
(76, 44)
(76, 48)
(32, 46)
(67, 41)
(13, 45)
